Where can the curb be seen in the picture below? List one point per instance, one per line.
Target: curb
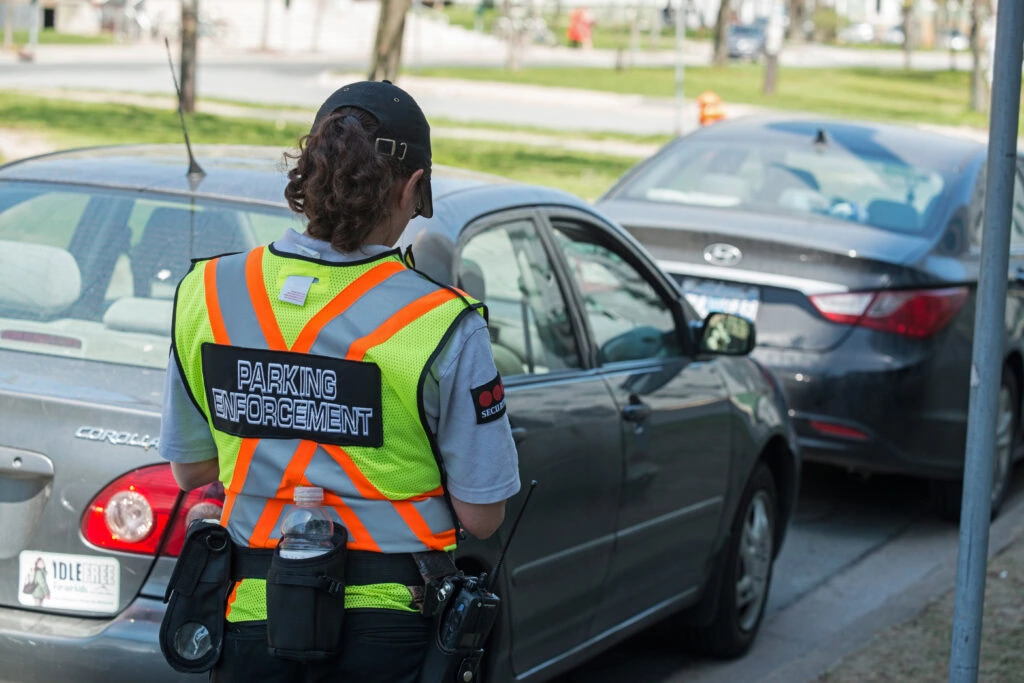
(805, 639)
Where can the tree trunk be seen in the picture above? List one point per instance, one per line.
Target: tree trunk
(721, 55)
(797, 16)
(318, 24)
(189, 38)
(386, 59)
(908, 34)
(8, 24)
(771, 69)
(979, 93)
(265, 36)
(634, 37)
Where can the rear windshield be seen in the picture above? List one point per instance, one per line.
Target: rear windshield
(91, 273)
(829, 181)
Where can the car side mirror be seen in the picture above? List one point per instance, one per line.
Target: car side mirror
(724, 334)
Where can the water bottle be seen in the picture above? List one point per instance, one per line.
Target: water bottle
(306, 530)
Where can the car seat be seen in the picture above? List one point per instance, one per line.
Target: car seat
(471, 281)
(164, 253)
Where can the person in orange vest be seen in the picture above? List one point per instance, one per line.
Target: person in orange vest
(412, 444)
(580, 27)
(710, 108)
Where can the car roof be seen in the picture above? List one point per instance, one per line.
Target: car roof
(257, 175)
(900, 144)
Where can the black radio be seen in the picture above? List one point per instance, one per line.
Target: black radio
(466, 610)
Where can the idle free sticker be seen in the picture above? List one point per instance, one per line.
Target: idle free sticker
(81, 583)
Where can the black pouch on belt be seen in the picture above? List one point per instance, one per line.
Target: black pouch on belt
(306, 603)
(192, 630)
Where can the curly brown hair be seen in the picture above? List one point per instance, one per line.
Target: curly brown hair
(340, 182)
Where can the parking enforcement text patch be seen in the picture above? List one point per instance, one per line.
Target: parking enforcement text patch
(285, 395)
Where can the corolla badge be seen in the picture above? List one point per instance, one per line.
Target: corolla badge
(721, 254)
(117, 438)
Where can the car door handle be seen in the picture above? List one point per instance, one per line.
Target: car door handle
(637, 412)
(520, 433)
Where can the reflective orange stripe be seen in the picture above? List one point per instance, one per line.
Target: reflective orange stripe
(358, 536)
(345, 298)
(260, 536)
(232, 490)
(363, 485)
(261, 301)
(293, 474)
(405, 508)
(231, 599)
(395, 323)
(220, 333)
(419, 526)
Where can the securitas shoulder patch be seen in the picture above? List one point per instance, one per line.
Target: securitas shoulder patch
(489, 401)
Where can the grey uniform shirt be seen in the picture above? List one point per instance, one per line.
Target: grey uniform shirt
(481, 459)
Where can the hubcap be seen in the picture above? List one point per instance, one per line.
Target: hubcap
(1004, 443)
(754, 561)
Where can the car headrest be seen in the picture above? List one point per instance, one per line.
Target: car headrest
(131, 314)
(893, 215)
(471, 280)
(37, 279)
(166, 244)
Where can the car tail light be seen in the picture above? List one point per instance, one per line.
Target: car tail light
(133, 513)
(911, 313)
(834, 429)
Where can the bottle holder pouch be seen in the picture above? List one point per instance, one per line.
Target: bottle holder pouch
(306, 603)
(192, 630)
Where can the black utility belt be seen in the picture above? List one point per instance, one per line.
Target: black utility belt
(361, 567)
(305, 597)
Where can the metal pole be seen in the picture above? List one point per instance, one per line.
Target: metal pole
(680, 35)
(989, 330)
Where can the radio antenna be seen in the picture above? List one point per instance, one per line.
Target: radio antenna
(489, 581)
(195, 171)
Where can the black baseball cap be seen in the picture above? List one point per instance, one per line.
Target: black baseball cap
(403, 132)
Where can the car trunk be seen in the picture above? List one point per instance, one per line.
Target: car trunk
(69, 428)
(783, 262)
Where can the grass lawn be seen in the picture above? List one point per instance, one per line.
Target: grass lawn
(51, 37)
(70, 123)
(918, 650)
(939, 97)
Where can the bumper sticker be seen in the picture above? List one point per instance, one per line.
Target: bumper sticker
(81, 583)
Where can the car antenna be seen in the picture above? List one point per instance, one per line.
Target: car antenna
(195, 171)
(488, 580)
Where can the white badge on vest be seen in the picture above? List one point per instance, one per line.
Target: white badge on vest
(296, 288)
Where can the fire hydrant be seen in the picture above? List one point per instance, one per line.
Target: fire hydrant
(710, 107)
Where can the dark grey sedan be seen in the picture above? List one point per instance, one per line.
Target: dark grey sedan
(667, 465)
(856, 248)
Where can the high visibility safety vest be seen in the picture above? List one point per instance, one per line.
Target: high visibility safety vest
(311, 373)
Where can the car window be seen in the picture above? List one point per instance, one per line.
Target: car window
(872, 190)
(91, 273)
(507, 267)
(628, 317)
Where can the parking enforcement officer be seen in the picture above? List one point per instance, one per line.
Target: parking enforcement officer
(323, 360)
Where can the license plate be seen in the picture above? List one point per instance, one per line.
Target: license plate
(81, 583)
(708, 296)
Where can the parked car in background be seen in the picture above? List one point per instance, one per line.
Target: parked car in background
(855, 247)
(667, 464)
(746, 41)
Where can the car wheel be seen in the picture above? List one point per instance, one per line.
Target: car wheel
(746, 568)
(947, 496)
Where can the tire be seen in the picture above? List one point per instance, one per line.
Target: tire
(748, 558)
(947, 496)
